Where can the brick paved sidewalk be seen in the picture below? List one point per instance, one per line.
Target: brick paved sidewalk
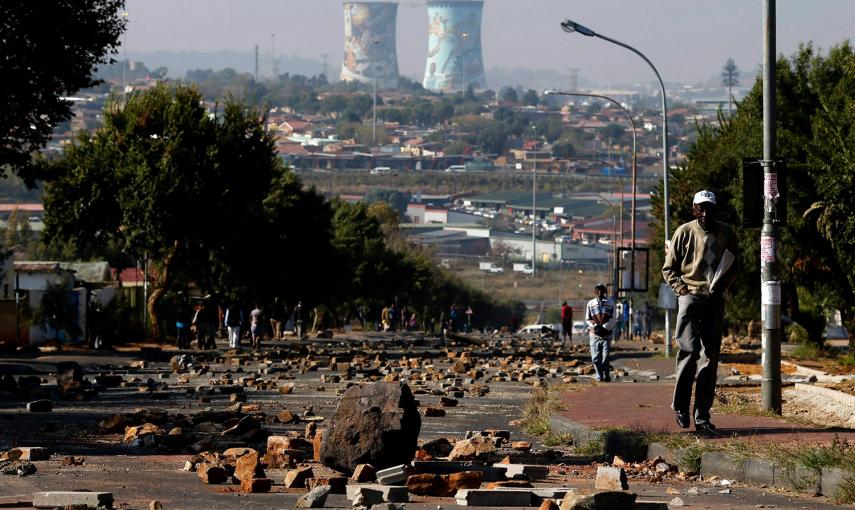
(648, 406)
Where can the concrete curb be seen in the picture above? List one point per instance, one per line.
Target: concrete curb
(825, 481)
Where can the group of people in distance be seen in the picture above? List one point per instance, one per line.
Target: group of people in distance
(700, 266)
(206, 318)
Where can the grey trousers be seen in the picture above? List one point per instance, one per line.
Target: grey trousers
(698, 330)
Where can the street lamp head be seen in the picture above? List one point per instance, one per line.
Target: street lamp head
(571, 26)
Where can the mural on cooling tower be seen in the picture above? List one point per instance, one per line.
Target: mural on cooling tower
(369, 43)
(454, 46)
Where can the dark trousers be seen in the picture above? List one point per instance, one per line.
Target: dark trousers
(698, 330)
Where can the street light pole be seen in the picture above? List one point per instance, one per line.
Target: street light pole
(570, 27)
(464, 36)
(533, 208)
(770, 279)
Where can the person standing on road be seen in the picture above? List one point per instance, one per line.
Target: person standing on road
(183, 320)
(205, 321)
(696, 252)
(256, 326)
(233, 321)
(647, 320)
(277, 317)
(566, 321)
(600, 315)
(298, 320)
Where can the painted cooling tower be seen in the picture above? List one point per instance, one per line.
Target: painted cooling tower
(454, 59)
(369, 43)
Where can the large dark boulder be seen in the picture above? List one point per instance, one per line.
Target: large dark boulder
(377, 424)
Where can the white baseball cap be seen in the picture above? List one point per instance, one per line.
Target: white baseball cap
(704, 196)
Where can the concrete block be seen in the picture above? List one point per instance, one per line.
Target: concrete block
(660, 450)
(495, 497)
(380, 493)
(721, 465)
(759, 472)
(525, 471)
(611, 478)
(650, 505)
(62, 499)
(832, 478)
(394, 475)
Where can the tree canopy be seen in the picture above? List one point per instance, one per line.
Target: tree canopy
(50, 51)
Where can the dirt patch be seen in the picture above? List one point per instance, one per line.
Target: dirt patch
(844, 386)
(757, 369)
(799, 408)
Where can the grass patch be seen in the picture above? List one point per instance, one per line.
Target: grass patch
(628, 443)
(688, 450)
(807, 351)
(846, 362)
(845, 493)
(543, 403)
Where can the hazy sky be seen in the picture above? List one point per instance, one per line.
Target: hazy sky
(688, 40)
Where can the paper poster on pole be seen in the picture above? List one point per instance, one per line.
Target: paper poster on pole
(770, 185)
(771, 293)
(767, 249)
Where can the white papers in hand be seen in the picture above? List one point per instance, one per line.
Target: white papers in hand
(724, 264)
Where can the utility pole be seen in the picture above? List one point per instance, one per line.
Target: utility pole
(533, 208)
(770, 278)
(255, 72)
(274, 64)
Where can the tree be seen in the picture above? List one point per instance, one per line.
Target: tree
(563, 150)
(50, 50)
(167, 182)
(508, 95)
(729, 79)
(530, 98)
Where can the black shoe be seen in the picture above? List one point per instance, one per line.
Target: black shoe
(607, 378)
(705, 427)
(683, 420)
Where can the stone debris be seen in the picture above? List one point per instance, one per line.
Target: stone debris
(296, 478)
(603, 500)
(373, 494)
(364, 473)
(611, 478)
(377, 423)
(444, 485)
(315, 498)
(26, 453)
(256, 485)
(248, 466)
(211, 474)
(394, 475)
(472, 448)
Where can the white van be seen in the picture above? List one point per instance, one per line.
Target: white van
(456, 168)
(381, 170)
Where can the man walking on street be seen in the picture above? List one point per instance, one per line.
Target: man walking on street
(700, 266)
(600, 315)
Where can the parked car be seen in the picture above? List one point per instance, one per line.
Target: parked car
(580, 328)
(490, 267)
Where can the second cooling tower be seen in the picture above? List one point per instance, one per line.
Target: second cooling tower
(455, 60)
(369, 43)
